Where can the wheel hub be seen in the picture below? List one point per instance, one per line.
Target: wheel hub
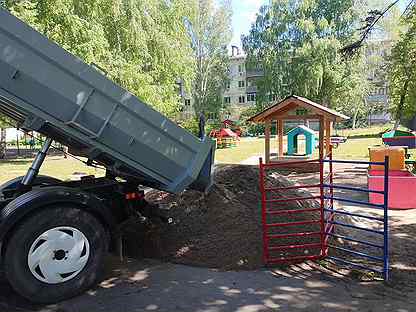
(58, 255)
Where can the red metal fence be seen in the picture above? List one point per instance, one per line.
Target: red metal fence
(298, 225)
(303, 237)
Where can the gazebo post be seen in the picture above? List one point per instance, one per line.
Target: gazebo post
(277, 136)
(267, 141)
(321, 137)
(280, 136)
(327, 136)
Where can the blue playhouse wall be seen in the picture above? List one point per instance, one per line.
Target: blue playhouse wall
(292, 140)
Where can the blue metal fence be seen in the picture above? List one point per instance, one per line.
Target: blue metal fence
(380, 264)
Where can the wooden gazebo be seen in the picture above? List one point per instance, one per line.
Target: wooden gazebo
(301, 109)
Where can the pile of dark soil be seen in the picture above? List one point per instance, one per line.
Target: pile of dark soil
(223, 228)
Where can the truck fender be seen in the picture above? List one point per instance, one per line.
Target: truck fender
(39, 180)
(37, 199)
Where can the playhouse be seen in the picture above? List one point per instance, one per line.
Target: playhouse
(224, 137)
(293, 140)
(296, 108)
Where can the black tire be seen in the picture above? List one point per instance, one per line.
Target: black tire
(16, 256)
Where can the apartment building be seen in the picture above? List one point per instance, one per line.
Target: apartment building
(239, 92)
(378, 99)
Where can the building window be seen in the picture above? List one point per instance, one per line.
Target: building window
(212, 116)
(251, 97)
(227, 85)
(187, 102)
(227, 100)
(241, 99)
(241, 84)
(251, 83)
(241, 68)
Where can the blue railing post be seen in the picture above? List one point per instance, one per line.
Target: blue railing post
(386, 219)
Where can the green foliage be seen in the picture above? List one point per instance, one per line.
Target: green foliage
(297, 44)
(402, 71)
(211, 33)
(191, 125)
(142, 45)
(250, 127)
(5, 122)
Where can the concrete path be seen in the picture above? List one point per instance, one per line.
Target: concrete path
(154, 286)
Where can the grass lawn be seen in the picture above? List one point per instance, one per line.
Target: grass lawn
(362, 132)
(355, 148)
(352, 149)
(55, 166)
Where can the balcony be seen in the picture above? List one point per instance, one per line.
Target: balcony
(377, 98)
(251, 89)
(252, 73)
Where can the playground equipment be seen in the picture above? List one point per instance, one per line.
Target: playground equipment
(337, 140)
(400, 138)
(54, 234)
(402, 183)
(293, 140)
(229, 124)
(311, 237)
(299, 109)
(225, 138)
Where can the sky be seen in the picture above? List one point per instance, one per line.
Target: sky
(244, 14)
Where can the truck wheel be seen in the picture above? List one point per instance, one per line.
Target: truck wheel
(55, 254)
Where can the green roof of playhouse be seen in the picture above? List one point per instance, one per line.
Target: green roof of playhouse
(397, 133)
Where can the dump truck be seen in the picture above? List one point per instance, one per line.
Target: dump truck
(55, 234)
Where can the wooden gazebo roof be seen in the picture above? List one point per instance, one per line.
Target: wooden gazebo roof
(297, 108)
(280, 110)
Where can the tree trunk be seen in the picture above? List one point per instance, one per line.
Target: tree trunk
(2, 143)
(399, 111)
(17, 142)
(354, 119)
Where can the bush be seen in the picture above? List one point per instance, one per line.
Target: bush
(191, 125)
(213, 125)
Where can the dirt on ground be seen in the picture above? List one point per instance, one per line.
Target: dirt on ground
(223, 229)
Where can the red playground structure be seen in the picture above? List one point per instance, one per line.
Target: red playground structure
(224, 137)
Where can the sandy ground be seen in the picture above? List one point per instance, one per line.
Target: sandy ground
(148, 285)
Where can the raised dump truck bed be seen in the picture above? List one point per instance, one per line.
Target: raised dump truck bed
(51, 91)
(54, 234)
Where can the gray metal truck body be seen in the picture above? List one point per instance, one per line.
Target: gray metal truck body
(49, 90)
(54, 234)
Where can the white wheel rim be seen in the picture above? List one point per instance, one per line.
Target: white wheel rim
(58, 255)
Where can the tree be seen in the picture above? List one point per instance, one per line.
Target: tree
(142, 45)
(297, 44)
(211, 33)
(376, 17)
(402, 72)
(3, 125)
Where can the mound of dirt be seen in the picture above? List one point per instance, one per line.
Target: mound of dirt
(223, 228)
